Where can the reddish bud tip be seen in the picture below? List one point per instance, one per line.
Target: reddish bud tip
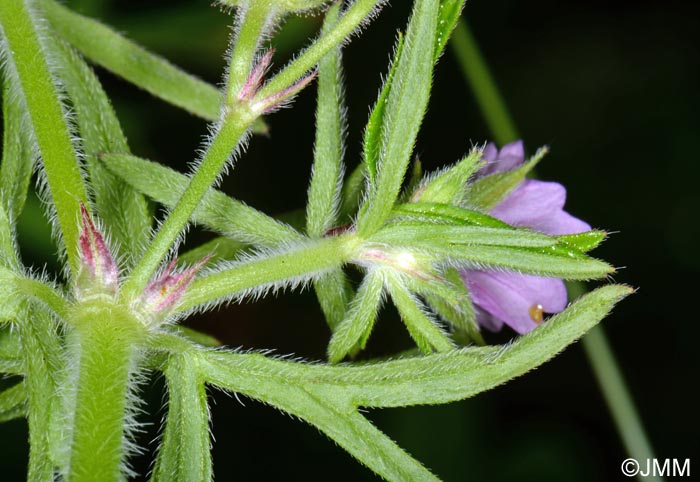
(96, 258)
(166, 289)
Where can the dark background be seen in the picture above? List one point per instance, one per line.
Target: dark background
(611, 87)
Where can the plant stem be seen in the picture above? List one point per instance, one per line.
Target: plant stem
(598, 350)
(256, 19)
(617, 397)
(319, 256)
(106, 337)
(477, 73)
(351, 19)
(237, 119)
(50, 129)
(230, 134)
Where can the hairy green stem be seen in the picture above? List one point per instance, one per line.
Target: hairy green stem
(214, 160)
(52, 134)
(106, 336)
(353, 17)
(620, 403)
(306, 261)
(598, 350)
(257, 18)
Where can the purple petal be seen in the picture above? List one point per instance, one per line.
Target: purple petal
(509, 157)
(487, 320)
(539, 205)
(490, 153)
(510, 297)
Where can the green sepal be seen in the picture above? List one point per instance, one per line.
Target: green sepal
(449, 186)
(450, 299)
(447, 214)
(584, 242)
(485, 193)
(429, 236)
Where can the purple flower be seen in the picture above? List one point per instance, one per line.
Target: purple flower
(520, 300)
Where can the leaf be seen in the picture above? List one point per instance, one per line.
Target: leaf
(442, 237)
(185, 452)
(11, 305)
(327, 396)
(123, 210)
(446, 213)
(216, 210)
(424, 330)
(117, 54)
(450, 299)
(448, 17)
(333, 291)
(584, 242)
(287, 266)
(28, 67)
(327, 172)
(352, 333)
(432, 379)
(537, 261)
(42, 362)
(487, 192)
(8, 248)
(329, 412)
(404, 111)
(352, 194)
(448, 186)
(13, 403)
(10, 352)
(19, 154)
(373, 131)
(218, 249)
